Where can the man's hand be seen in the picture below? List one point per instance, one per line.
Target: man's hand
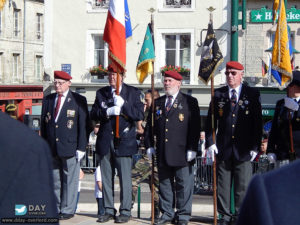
(213, 148)
(253, 155)
(190, 155)
(113, 111)
(79, 155)
(150, 152)
(272, 157)
(291, 104)
(118, 101)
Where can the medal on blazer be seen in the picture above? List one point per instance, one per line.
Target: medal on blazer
(221, 105)
(69, 99)
(70, 124)
(247, 112)
(180, 106)
(181, 116)
(70, 113)
(158, 113)
(48, 117)
(175, 105)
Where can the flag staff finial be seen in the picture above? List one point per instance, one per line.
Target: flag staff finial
(211, 9)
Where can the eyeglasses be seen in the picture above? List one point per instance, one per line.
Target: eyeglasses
(59, 83)
(230, 72)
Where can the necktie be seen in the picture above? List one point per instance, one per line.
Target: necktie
(57, 105)
(169, 103)
(233, 97)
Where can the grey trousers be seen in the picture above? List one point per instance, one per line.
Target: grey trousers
(183, 179)
(241, 173)
(66, 179)
(108, 163)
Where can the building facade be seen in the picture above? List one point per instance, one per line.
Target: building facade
(21, 57)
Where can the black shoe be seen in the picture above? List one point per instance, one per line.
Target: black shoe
(162, 221)
(64, 216)
(104, 218)
(182, 222)
(122, 219)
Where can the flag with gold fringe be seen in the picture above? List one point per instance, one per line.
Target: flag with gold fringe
(275, 9)
(2, 3)
(281, 60)
(211, 56)
(147, 56)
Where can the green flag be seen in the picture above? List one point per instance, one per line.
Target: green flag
(147, 56)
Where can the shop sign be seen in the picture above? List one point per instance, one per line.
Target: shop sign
(66, 68)
(264, 15)
(21, 95)
(267, 112)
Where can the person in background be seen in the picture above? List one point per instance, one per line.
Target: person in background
(238, 123)
(279, 143)
(273, 198)
(26, 172)
(116, 152)
(98, 191)
(177, 130)
(64, 124)
(143, 168)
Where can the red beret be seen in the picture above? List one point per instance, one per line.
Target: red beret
(234, 65)
(62, 75)
(264, 140)
(173, 74)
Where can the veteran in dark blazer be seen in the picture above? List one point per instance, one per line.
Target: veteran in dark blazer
(273, 198)
(64, 124)
(177, 129)
(238, 124)
(26, 172)
(279, 139)
(117, 152)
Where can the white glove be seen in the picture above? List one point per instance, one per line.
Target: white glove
(213, 148)
(291, 104)
(253, 155)
(272, 157)
(150, 152)
(190, 155)
(79, 155)
(113, 111)
(118, 101)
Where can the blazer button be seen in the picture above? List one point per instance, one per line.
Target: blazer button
(167, 120)
(166, 130)
(233, 125)
(232, 137)
(233, 115)
(112, 132)
(57, 139)
(166, 140)
(56, 126)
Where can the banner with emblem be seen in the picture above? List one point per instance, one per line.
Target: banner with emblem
(281, 59)
(146, 58)
(211, 56)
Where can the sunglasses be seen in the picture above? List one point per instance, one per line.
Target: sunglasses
(231, 72)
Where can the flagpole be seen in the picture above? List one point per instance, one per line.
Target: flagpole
(152, 128)
(212, 93)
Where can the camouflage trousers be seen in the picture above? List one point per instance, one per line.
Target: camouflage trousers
(142, 172)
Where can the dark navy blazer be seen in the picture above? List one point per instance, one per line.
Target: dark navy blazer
(273, 198)
(238, 130)
(26, 170)
(70, 132)
(132, 111)
(176, 131)
(279, 138)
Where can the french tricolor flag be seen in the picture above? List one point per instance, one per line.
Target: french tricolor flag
(117, 30)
